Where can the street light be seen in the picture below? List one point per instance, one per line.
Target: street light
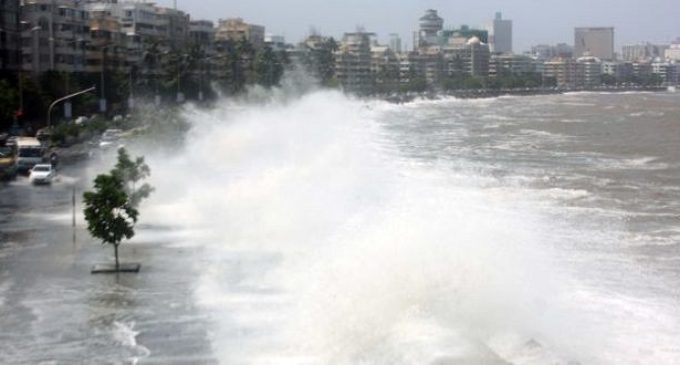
(67, 97)
(102, 101)
(180, 95)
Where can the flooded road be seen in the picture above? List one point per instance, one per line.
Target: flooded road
(53, 311)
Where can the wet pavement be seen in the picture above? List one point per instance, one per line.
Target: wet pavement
(53, 311)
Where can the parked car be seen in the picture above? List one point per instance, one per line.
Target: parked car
(41, 174)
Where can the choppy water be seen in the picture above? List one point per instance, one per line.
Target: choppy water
(325, 230)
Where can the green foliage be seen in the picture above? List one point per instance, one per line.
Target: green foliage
(111, 209)
(108, 212)
(131, 172)
(268, 67)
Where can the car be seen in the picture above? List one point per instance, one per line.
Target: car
(41, 174)
(110, 137)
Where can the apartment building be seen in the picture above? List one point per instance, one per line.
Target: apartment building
(562, 70)
(512, 64)
(10, 35)
(353, 62)
(645, 51)
(56, 36)
(236, 29)
(471, 58)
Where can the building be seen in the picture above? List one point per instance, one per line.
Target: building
(384, 68)
(471, 58)
(10, 36)
(547, 52)
(56, 36)
(500, 34)
(202, 32)
(395, 43)
(599, 42)
(353, 62)
(430, 26)
(588, 71)
(510, 64)
(646, 51)
(108, 45)
(139, 20)
(620, 71)
(668, 72)
(562, 70)
(673, 52)
(236, 30)
(462, 35)
(275, 42)
(427, 64)
(143, 25)
(642, 69)
(176, 23)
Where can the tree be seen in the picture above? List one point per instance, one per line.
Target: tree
(130, 172)
(111, 209)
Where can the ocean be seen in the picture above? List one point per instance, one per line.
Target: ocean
(323, 229)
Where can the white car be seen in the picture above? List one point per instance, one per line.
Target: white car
(41, 174)
(109, 137)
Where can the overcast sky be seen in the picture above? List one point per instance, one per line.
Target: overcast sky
(534, 21)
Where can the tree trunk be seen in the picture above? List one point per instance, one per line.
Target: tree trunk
(115, 248)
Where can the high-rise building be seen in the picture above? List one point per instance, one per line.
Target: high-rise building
(353, 62)
(430, 26)
(385, 68)
(395, 43)
(56, 35)
(500, 34)
(10, 36)
(596, 41)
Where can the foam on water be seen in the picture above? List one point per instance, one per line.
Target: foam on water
(326, 246)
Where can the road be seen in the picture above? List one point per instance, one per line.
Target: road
(52, 310)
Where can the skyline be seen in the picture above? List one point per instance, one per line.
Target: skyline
(534, 22)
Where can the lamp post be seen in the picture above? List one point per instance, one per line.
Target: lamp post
(102, 81)
(180, 95)
(67, 97)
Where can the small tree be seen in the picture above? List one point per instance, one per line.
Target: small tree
(111, 209)
(131, 172)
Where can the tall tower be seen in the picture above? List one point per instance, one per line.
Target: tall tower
(430, 26)
(500, 34)
(395, 43)
(597, 41)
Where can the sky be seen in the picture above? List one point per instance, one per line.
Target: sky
(534, 21)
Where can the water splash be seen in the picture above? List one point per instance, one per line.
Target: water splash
(324, 246)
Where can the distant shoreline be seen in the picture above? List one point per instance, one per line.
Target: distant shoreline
(492, 93)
